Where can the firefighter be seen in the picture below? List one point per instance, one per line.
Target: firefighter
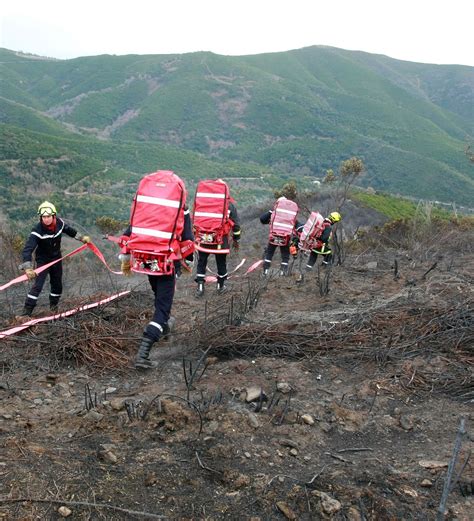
(221, 251)
(285, 249)
(45, 242)
(163, 287)
(322, 245)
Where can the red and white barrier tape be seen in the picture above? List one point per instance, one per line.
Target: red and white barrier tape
(26, 325)
(89, 246)
(213, 278)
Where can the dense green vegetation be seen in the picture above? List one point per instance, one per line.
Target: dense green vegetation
(396, 207)
(96, 124)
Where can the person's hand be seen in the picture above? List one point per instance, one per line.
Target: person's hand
(30, 273)
(235, 245)
(293, 250)
(85, 239)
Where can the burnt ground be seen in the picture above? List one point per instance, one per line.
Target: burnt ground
(359, 396)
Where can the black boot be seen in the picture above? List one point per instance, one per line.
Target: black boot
(200, 289)
(26, 312)
(168, 327)
(142, 360)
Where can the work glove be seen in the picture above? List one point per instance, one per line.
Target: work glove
(125, 266)
(30, 273)
(293, 250)
(235, 245)
(27, 267)
(85, 239)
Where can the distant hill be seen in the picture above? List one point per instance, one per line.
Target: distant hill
(297, 113)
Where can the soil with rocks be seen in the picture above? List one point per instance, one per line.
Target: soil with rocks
(340, 398)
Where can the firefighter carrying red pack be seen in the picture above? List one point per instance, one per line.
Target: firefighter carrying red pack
(214, 218)
(158, 238)
(314, 239)
(283, 226)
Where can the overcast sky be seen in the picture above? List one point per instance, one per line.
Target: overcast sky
(430, 31)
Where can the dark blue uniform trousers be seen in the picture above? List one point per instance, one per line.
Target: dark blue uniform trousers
(163, 288)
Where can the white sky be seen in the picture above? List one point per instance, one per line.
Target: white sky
(430, 31)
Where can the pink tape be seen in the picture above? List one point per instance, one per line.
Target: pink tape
(91, 246)
(21, 278)
(99, 254)
(26, 325)
(254, 266)
(213, 278)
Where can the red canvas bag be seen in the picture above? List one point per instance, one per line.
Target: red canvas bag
(282, 224)
(211, 220)
(157, 222)
(312, 230)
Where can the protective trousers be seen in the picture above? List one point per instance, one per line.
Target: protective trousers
(221, 262)
(163, 289)
(313, 257)
(55, 273)
(270, 251)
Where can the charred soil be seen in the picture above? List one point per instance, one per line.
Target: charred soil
(337, 399)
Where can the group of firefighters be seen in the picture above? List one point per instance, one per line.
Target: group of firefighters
(161, 239)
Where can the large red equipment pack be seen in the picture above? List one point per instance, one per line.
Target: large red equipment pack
(312, 230)
(211, 219)
(157, 222)
(283, 221)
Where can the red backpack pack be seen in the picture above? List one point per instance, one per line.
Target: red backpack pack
(283, 221)
(312, 229)
(157, 222)
(211, 220)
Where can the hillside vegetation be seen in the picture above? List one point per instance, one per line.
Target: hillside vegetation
(291, 115)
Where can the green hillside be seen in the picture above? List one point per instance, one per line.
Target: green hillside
(297, 113)
(88, 178)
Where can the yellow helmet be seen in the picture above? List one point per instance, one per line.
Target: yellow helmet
(46, 208)
(334, 217)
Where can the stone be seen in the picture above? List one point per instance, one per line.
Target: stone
(284, 387)
(108, 456)
(64, 511)
(426, 483)
(294, 452)
(407, 422)
(371, 265)
(328, 504)
(253, 394)
(308, 419)
(286, 442)
(432, 464)
(353, 514)
(94, 416)
(253, 420)
(117, 404)
(286, 510)
(211, 360)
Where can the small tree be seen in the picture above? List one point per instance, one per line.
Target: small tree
(288, 190)
(109, 225)
(349, 171)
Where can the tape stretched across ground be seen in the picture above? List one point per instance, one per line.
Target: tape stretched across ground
(26, 325)
(91, 246)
